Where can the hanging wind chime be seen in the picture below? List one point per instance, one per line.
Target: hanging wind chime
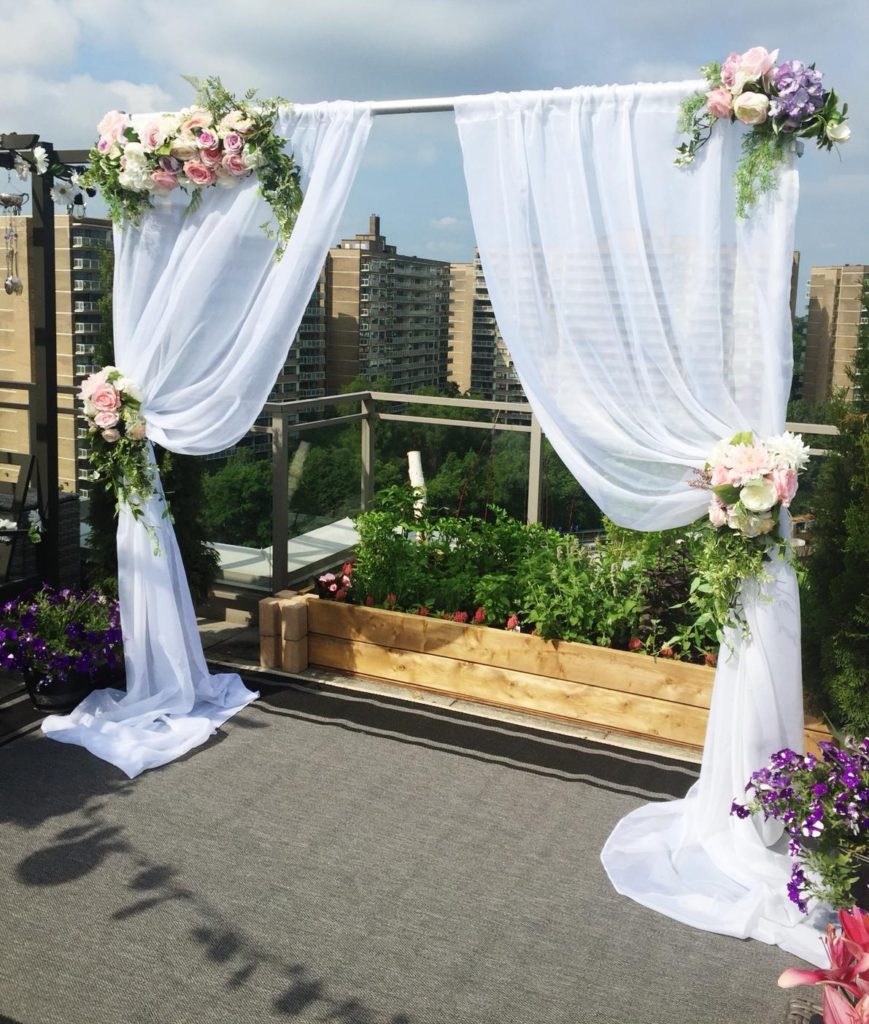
(12, 203)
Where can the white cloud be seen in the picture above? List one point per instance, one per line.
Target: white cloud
(448, 223)
(41, 33)
(66, 111)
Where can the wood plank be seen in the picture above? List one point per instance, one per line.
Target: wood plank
(579, 702)
(571, 662)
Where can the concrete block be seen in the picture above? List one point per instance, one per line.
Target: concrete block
(295, 655)
(270, 655)
(270, 617)
(294, 619)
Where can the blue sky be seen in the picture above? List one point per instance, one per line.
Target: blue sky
(66, 62)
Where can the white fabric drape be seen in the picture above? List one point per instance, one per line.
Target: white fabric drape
(203, 320)
(646, 323)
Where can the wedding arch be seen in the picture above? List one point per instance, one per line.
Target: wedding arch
(646, 322)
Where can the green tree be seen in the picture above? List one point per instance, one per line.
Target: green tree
(238, 500)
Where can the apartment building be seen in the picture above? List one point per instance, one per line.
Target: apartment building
(836, 313)
(387, 315)
(80, 248)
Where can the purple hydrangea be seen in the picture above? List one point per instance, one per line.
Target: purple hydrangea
(800, 96)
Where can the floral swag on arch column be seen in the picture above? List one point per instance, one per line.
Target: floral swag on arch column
(216, 256)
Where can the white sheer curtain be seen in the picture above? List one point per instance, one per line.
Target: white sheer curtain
(203, 320)
(646, 323)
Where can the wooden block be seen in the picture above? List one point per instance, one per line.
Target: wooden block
(270, 617)
(270, 651)
(294, 655)
(294, 619)
(284, 594)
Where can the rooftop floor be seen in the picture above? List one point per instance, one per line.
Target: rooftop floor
(339, 855)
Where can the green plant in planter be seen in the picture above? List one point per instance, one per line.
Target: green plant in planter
(649, 591)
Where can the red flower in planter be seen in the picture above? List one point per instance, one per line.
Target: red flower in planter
(369, 601)
(513, 623)
(667, 652)
(635, 644)
(710, 659)
(480, 615)
(391, 598)
(460, 617)
(340, 595)
(422, 610)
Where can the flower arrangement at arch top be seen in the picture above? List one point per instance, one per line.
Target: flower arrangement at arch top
(117, 434)
(823, 804)
(217, 142)
(780, 103)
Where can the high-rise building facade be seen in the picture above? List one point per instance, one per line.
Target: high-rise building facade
(387, 315)
(479, 359)
(836, 313)
(80, 247)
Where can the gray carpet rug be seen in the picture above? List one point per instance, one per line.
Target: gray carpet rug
(333, 857)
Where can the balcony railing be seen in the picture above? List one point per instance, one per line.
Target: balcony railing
(377, 406)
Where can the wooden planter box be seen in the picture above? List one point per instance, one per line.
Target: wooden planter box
(596, 686)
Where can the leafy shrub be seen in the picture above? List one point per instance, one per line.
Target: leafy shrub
(631, 591)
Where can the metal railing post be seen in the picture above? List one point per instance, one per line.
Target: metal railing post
(535, 474)
(369, 409)
(43, 401)
(280, 501)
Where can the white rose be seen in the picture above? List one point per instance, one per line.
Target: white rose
(757, 525)
(838, 132)
(751, 107)
(183, 149)
(253, 158)
(133, 180)
(135, 155)
(759, 495)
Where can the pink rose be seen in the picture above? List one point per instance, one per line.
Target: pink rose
(164, 181)
(111, 435)
(91, 383)
(113, 126)
(751, 107)
(208, 139)
(198, 174)
(210, 157)
(785, 481)
(197, 118)
(728, 69)
(756, 62)
(233, 142)
(106, 419)
(717, 513)
(719, 102)
(105, 398)
(153, 135)
(234, 163)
